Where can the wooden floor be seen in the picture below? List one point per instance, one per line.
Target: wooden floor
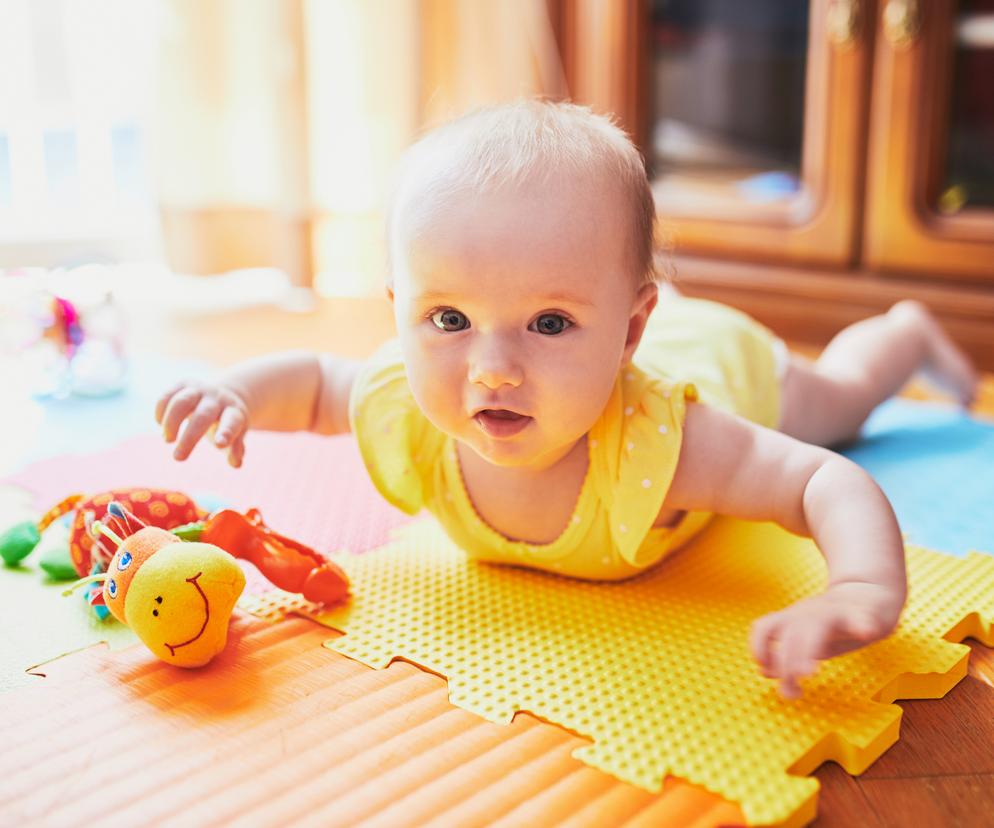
(941, 772)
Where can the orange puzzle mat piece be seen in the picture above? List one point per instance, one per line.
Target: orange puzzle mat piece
(655, 672)
(282, 732)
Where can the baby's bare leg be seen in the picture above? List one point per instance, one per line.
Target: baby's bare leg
(826, 402)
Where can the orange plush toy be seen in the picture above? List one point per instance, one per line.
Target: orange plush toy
(177, 589)
(177, 596)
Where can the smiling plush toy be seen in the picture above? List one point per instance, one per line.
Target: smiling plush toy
(177, 589)
(176, 595)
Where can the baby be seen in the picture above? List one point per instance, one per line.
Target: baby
(552, 411)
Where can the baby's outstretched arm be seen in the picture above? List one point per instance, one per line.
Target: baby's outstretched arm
(733, 467)
(293, 391)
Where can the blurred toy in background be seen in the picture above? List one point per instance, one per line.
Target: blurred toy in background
(64, 328)
(66, 344)
(88, 355)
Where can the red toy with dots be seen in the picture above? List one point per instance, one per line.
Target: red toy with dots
(153, 507)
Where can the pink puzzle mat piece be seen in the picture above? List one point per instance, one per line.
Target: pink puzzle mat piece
(310, 488)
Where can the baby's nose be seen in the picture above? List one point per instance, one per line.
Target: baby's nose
(493, 366)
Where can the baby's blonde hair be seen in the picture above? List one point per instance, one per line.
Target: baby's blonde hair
(511, 143)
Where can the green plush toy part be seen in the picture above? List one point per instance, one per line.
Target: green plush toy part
(18, 542)
(52, 545)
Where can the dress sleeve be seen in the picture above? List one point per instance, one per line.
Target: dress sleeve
(397, 442)
(635, 447)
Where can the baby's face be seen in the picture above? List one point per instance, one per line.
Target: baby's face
(513, 310)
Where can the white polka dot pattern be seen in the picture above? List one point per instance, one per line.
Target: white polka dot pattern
(648, 426)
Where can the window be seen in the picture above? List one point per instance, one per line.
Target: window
(76, 85)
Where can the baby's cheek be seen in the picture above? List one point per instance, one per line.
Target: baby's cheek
(578, 397)
(437, 391)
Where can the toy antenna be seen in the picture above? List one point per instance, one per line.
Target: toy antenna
(98, 527)
(89, 579)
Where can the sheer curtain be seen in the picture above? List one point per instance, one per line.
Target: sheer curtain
(280, 121)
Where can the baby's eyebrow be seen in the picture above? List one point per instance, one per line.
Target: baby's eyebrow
(556, 297)
(434, 296)
(566, 298)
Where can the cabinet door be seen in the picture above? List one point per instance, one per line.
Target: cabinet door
(751, 116)
(930, 172)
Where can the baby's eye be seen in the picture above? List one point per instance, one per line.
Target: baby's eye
(551, 324)
(450, 320)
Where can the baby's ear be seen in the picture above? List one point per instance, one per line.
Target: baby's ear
(645, 301)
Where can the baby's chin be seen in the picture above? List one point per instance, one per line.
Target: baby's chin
(510, 454)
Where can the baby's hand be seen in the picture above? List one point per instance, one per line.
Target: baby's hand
(788, 644)
(198, 408)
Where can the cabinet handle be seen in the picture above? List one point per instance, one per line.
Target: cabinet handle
(842, 21)
(902, 22)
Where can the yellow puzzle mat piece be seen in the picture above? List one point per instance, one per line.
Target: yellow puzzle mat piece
(656, 671)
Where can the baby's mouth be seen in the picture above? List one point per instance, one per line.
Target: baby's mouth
(500, 422)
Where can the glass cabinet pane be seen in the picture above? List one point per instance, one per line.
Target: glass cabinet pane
(969, 164)
(726, 103)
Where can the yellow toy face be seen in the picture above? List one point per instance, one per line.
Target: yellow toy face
(180, 600)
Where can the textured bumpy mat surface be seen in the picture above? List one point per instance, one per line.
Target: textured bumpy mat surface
(655, 672)
(282, 732)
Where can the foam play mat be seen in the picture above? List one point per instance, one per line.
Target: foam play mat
(284, 732)
(655, 672)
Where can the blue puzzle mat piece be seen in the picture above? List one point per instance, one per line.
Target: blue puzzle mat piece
(936, 464)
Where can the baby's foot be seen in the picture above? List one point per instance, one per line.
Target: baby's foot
(946, 365)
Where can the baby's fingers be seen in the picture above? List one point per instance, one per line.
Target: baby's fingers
(179, 407)
(163, 401)
(801, 647)
(203, 417)
(236, 452)
(231, 425)
(763, 637)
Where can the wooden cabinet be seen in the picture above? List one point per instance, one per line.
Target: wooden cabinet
(812, 162)
(929, 209)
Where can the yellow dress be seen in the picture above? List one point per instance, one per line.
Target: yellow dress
(691, 349)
